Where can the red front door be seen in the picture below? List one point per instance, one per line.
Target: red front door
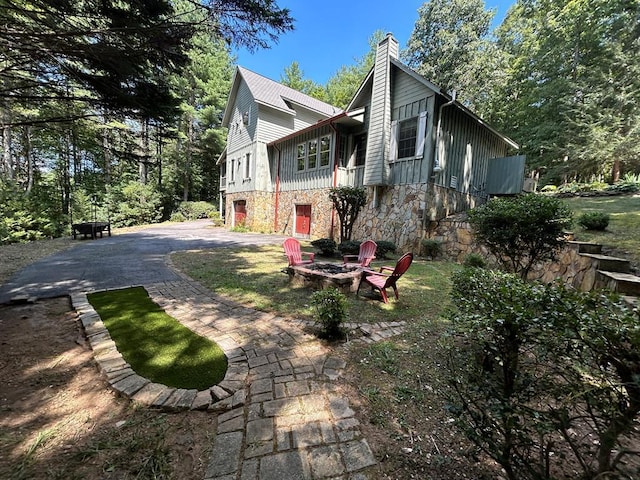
(240, 208)
(303, 219)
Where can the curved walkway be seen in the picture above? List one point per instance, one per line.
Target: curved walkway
(280, 415)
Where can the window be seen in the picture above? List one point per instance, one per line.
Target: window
(312, 153)
(360, 148)
(407, 132)
(325, 150)
(302, 153)
(408, 137)
(247, 166)
(232, 171)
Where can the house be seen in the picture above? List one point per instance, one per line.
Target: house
(420, 154)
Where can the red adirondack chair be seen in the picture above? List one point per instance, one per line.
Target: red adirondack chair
(381, 281)
(294, 254)
(365, 256)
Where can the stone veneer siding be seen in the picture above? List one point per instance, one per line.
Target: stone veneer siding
(572, 268)
(259, 210)
(321, 208)
(400, 214)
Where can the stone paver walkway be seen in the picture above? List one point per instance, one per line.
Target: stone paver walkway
(280, 414)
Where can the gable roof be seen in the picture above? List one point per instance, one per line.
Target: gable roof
(409, 71)
(275, 95)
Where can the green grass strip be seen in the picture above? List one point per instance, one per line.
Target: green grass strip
(155, 344)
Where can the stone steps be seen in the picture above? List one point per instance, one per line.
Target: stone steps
(612, 273)
(623, 283)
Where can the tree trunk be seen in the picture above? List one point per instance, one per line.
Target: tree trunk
(28, 157)
(615, 171)
(8, 167)
(187, 163)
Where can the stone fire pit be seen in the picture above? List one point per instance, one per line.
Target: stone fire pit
(324, 275)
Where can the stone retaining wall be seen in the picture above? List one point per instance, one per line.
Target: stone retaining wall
(572, 268)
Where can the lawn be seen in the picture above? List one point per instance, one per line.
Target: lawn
(623, 233)
(254, 277)
(396, 383)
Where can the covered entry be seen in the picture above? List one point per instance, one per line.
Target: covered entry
(303, 220)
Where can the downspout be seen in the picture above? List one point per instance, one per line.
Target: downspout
(436, 162)
(277, 202)
(335, 175)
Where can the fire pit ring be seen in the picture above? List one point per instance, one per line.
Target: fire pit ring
(326, 275)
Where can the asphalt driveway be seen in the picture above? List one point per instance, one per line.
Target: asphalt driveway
(123, 260)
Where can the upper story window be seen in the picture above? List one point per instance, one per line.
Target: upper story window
(247, 165)
(302, 156)
(360, 145)
(325, 150)
(313, 153)
(407, 133)
(408, 137)
(232, 170)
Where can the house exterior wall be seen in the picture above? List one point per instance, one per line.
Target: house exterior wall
(376, 168)
(464, 150)
(321, 211)
(259, 208)
(395, 215)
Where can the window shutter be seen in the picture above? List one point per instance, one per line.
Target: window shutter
(393, 143)
(422, 129)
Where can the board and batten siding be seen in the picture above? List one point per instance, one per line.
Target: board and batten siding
(239, 135)
(410, 98)
(464, 150)
(290, 177)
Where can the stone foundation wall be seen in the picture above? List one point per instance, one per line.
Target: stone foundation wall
(321, 208)
(398, 216)
(571, 268)
(259, 210)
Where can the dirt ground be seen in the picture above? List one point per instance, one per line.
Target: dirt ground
(60, 420)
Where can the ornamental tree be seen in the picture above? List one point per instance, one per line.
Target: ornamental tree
(348, 201)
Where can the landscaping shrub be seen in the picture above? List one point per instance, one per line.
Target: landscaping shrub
(349, 247)
(327, 246)
(195, 210)
(474, 260)
(523, 230)
(594, 220)
(136, 204)
(431, 248)
(177, 217)
(385, 247)
(630, 183)
(534, 370)
(330, 312)
(216, 218)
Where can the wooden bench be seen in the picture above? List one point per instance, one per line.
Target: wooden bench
(91, 229)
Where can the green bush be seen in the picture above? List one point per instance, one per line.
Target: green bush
(630, 183)
(327, 246)
(177, 217)
(594, 220)
(431, 248)
(522, 231)
(349, 247)
(330, 312)
(474, 260)
(136, 204)
(385, 247)
(196, 210)
(529, 363)
(216, 218)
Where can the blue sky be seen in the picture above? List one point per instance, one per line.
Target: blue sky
(333, 33)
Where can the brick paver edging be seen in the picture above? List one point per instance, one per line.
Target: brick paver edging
(229, 393)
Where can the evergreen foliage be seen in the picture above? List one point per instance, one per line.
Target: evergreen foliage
(523, 230)
(330, 312)
(535, 369)
(594, 220)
